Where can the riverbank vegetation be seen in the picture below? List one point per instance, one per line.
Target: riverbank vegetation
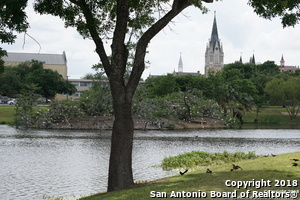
(266, 168)
(268, 117)
(196, 159)
(239, 96)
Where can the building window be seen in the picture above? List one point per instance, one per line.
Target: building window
(85, 84)
(76, 83)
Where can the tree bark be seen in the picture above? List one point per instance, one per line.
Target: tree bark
(120, 164)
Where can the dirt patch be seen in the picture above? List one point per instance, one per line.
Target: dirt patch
(286, 113)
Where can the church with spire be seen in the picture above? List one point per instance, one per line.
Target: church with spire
(214, 54)
(180, 71)
(286, 68)
(214, 57)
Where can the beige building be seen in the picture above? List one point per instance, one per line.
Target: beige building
(55, 62)
(81, 86)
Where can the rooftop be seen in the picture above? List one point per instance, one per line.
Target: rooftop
(51, 59)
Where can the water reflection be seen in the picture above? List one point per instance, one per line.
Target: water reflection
(35, 163)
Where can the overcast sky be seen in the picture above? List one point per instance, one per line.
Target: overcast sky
(241, 32)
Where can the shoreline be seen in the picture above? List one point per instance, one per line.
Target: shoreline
(106, 123)
(254, 171)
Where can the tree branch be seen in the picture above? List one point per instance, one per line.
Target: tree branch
(139, 60)
(119, 49)
(90, 21)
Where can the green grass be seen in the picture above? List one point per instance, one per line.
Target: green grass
(7, 114)
(271, 116)
(267, 168)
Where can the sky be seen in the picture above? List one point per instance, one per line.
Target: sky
(241, 31)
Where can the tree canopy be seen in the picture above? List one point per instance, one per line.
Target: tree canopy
(12, 18)
(288, 10)
(286, 92)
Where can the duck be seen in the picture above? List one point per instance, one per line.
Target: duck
(235, 167)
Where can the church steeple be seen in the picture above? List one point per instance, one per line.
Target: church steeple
(214, 39)
(253, 59)
(241, 59)
(282, 62)
(180, 65)
(214, 55)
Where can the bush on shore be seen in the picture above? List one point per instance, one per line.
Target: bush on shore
(201, 158)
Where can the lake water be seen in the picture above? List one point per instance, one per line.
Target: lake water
(39, 163)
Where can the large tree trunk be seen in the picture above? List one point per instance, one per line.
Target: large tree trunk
(120, 163)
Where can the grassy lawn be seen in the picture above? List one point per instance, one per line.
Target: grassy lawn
(266, 168)
(271, 116)
(7, 114)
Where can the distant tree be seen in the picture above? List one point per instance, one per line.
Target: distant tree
(48, 82)
(24, 106)
(286, 92)
(10, 83)
(88, 76)
(1, 66)
(189, 82)
(160, 86)
(297, 72)
(246, 69)
(97, 100)
(269, 68)
(231, 90)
